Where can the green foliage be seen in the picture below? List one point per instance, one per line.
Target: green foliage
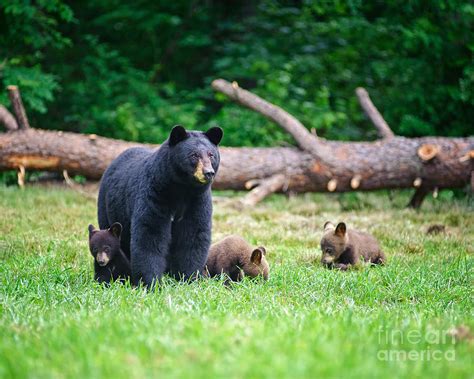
(131, 70)
(305, 322)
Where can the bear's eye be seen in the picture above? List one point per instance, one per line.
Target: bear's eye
(210, 155)
(328, 250)
(195, 156)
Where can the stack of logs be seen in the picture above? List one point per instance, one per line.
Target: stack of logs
(426, 164)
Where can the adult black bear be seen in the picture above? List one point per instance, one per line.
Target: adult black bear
(162, 198)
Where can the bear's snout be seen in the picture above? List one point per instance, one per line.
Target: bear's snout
(102, 259)
(327, 260)
(209, 174)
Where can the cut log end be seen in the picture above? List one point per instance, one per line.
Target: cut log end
(332, 185)
(467, 157)
(252, 183)
(355, 182)
(427, 152)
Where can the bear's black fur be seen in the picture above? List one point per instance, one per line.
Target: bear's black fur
(162, 198)
(110, 263)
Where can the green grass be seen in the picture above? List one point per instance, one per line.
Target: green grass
(306, 321)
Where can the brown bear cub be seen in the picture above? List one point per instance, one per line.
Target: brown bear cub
(110, 263)
(343, 248)
(234, 257)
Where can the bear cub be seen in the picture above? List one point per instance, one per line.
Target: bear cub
(110, 263)
(236, 258)
(342, 248)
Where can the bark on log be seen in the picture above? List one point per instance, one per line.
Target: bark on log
(392, 163)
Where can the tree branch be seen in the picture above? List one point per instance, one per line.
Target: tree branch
(305, 140)
(7, 119)
(18, 108)
(267, 187)
(373, 114)
(418, 197)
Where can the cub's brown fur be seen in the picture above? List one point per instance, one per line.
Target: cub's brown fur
(343, 248)
(236, 258)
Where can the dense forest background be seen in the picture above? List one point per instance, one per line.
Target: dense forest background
(132, 69)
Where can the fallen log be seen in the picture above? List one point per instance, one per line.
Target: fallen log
(324, 166)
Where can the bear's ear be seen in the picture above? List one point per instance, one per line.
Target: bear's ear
(262, 248)
(328, 225)
(91, 230)
(178, 134)
(116, 229)
(340, 229)
(215, 135)
(256, 257)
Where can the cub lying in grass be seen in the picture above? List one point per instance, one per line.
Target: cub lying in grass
(236, 258)
(343, 248)
(110, 262)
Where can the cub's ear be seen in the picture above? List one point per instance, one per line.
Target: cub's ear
(264, 251)
(328, 225)
(91, 230)
(341, 229)
(116, 229)
(178, 134)
(256, 257)
(215, 135)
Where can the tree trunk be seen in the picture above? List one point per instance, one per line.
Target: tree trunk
(317, 165)
(391, 163)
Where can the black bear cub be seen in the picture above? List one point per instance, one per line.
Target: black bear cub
(110, 263)
(342, 248)
(236, 258)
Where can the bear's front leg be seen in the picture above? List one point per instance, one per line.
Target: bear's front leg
(191, 239)
(150, 243)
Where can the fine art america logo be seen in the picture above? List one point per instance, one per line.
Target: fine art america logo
(430, 345)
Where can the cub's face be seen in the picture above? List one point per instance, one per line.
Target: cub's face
(257, 265)
(333, 243)
(104, 244)
(194, 155)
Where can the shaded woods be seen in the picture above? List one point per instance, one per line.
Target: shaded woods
(80, 68)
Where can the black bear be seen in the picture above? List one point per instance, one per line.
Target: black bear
(110, 263)
(163, 200)
(236, 258)
(343, 248)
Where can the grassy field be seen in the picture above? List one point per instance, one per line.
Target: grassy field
(305, 322)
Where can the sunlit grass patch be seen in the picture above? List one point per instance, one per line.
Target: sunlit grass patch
(305, 321)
